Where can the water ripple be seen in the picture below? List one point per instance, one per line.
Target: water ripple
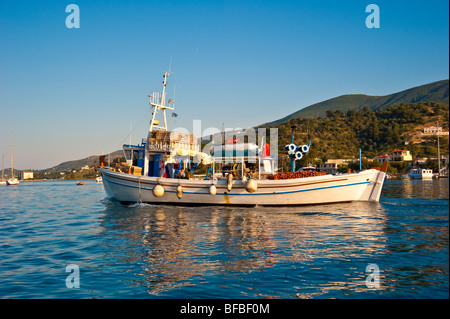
(141, 250)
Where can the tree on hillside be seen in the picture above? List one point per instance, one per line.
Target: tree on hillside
(330, 114)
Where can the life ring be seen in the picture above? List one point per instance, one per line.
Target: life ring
(298, 155)
(305, 148)
(291, 148)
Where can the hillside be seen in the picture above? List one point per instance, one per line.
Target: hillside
(78, 164)
(435, 92)
(341, 135)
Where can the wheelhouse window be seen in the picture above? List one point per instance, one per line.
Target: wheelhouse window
(128, 154)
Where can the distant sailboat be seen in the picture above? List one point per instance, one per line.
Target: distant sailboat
(3, 180)
(13, 180)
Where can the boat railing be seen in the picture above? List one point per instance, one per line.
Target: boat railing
(235, 159)
(265, 165)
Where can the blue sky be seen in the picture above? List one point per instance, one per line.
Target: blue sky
(70, 93)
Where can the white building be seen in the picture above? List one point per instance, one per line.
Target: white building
(400, 156)
(434, 130)
(27, 175)
(331, 166)
(382, 158)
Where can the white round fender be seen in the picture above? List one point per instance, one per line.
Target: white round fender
(229, 181)
(158, 191)
(213, 190)
(251, 186)
(179, 191)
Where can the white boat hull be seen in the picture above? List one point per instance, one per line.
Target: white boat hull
(12, 181)
(422, 177)
(363, 186)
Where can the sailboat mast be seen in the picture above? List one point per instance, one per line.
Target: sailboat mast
(12, 156)
(439, 157)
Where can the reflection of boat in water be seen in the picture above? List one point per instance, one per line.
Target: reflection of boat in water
(148, 175)
(175, 246)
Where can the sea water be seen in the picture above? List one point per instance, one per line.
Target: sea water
(60, 240)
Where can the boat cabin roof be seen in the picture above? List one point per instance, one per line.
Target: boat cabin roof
(133, 147)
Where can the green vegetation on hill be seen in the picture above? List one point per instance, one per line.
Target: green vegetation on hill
(436, 91)
(341, 135)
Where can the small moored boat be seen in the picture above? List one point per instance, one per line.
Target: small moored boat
(421, 173)
(13, 180)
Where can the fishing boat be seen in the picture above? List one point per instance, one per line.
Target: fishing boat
(159, 171)
(13, 180)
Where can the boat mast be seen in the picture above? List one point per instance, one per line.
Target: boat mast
(157, 102)
(163, 98)
(160, 105)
